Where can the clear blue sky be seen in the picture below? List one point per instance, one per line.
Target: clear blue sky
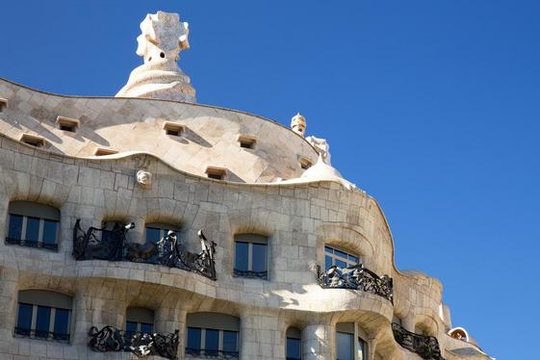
(430, 106)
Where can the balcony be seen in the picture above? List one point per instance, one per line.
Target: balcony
(427, 347)
(211, 354)
(32, 243)
(40, 334)
(110, 339)
(356, 277)
(111, 245)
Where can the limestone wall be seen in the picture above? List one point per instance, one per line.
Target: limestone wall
(298, 219)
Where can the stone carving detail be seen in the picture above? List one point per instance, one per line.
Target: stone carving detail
(144, 178)
(168, 251)
(356, 277)
(298, 124)
(162, 38)
(141, 344)
(427, 347)
(322, 147)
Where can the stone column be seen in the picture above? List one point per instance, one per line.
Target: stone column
(9, 280)
(168, 320)
(318, 341)
(260, 337)
(92, 308)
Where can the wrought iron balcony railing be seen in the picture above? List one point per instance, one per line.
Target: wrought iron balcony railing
(141, 344)
(212, 354)
(32, 243)
(102, 244)
(427, 347)
(251, 274)
(356, 277)
(41, 334)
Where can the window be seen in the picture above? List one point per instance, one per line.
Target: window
(3, 104)
(32, 224)
(339, 258)
(294, 351)
(156, 231)
(139, 320)
(43, 315)
(251, 256)
(305, 163)
(212, 335)
(216, 173)
(33, 140)
(103, 152)
(67, 124)
(361, 349)
(173, 129)
(247, 142)
(346, 348)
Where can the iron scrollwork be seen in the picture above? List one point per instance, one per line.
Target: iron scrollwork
(141, 344)
(427, 347)
(356, 277)
(103, 244)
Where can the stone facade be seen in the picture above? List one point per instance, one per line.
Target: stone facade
(298, 218)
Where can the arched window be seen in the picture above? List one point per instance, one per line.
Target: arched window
(340, 258)
(43, 315)
(251, 256)
(294, 344)
(157, 231)
(32, 224)
(139, 319)
(212, 334)
(349, 343)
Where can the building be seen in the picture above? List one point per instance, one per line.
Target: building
(148, 225)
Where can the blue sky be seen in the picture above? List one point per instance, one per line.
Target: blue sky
(430, 106)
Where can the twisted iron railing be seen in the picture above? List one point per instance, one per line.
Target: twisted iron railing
(356, 277)
(102, 244)
(427, 347)
(212, 354)
(141, 344)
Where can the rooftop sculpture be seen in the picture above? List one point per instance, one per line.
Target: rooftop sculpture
(162, 38)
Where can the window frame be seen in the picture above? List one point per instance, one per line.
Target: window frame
(202, 346)
(357, 336)
(290, 334)
(251, 239)
(42, 218)
(47, 303)
(335, 256)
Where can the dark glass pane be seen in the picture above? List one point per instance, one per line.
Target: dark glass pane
(131, 326)
(147, 328)
(362, 350)
(24, 319)
(15, 226)
(341, 264)
(340, 254)
(327, 262)
(344, 346)
(329, 250)
(293, 349)
(211, 344)
(241, 262)
(32, 229)
(193, 340)
(230, 341)
(353, 259)
(258, 260)
(43, 321)
(153, 234)
(61, 324)
(49, 231)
